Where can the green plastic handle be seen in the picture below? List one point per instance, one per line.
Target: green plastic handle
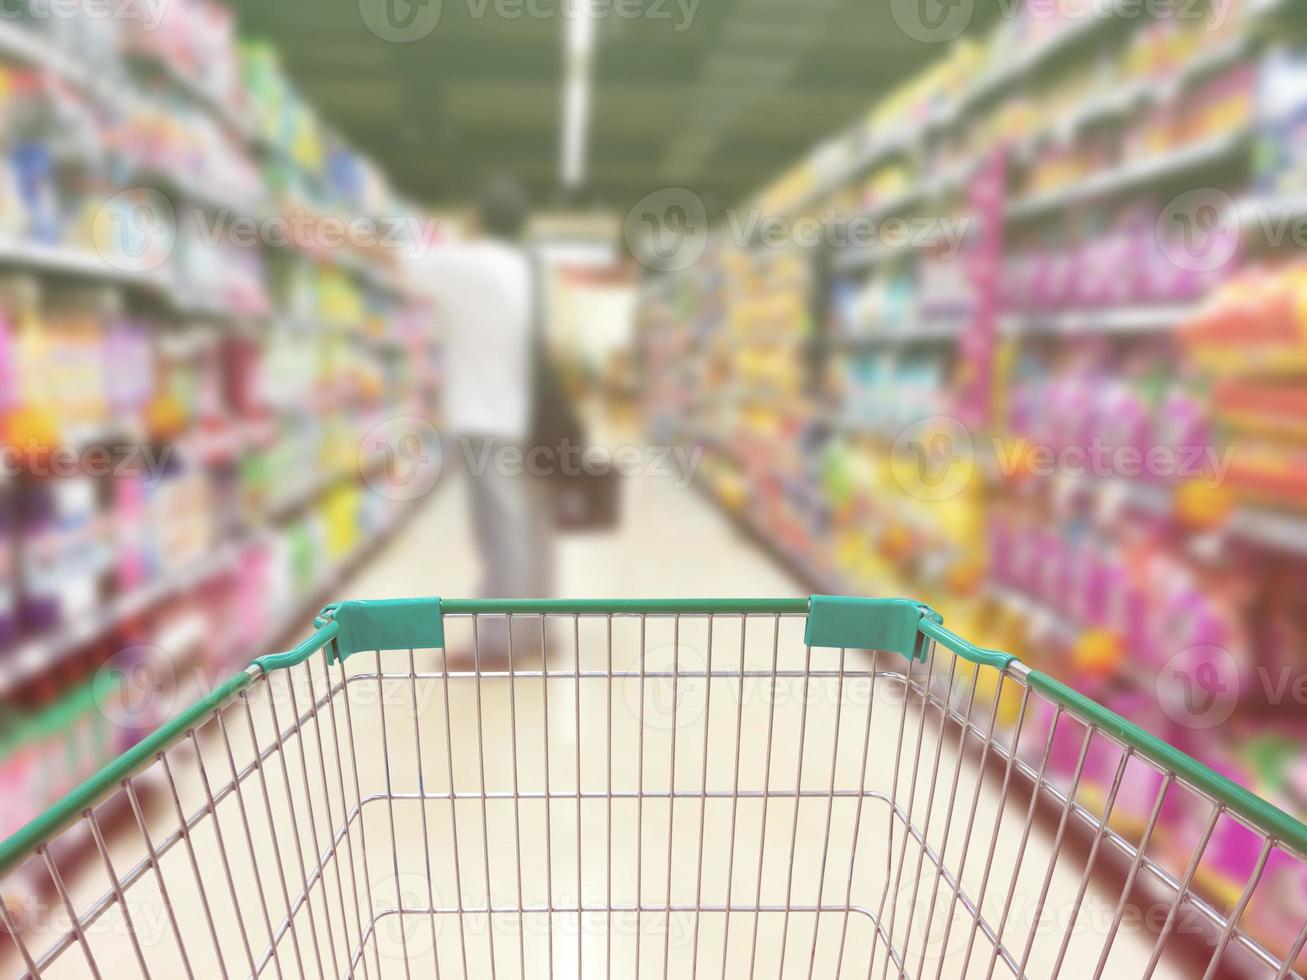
(858, 623)
(965, 649)
(90, 792)
(62, 814)
(1257, 811)
(624, 607)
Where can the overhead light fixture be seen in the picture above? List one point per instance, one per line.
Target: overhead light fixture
(580, 42)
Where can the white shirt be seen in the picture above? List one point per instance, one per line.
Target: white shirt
(484, 303)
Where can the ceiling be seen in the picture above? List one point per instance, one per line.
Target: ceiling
(720, 102)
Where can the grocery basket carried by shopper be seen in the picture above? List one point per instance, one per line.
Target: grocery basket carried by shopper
(824, 787)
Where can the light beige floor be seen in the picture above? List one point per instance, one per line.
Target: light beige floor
(627, 740)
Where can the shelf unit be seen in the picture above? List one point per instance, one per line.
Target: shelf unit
(840, 554)
(42, 659)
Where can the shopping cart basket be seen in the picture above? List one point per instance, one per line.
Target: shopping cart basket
(824, 787)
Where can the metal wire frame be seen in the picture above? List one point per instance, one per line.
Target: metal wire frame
(329, 884)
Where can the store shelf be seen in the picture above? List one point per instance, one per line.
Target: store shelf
(927, 330)
(80, 263)
(29, 48)
(215, 104)
(1276, 530)
(1119, 180)
(1120, 100)
(46, 653)
(1035, 59)
(22, 45)
(1107, 104)
(1108, 320)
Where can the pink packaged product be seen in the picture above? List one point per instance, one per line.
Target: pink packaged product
(129, 362)
(1141, 782)
(1128, 599)
(1283, 886)
(1232, 853)
(1064, 566)
(1027, 558)
(130, 509)
(1183, 422)
(1067, 741)
(9, 389)
(252, 609)
(1072, 404)
(1002, 557)
(1123, 417)
(1094, 607)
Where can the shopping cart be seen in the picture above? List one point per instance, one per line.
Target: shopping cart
(665, 788)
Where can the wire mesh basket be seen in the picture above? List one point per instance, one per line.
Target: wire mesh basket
(811, 788)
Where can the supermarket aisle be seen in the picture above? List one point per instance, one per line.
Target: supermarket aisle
(672, 542)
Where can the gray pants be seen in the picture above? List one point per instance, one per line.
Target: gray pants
(513, 521)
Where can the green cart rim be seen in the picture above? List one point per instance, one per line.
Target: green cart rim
(1282, 828)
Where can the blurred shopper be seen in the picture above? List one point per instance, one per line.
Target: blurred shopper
(489, 297)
